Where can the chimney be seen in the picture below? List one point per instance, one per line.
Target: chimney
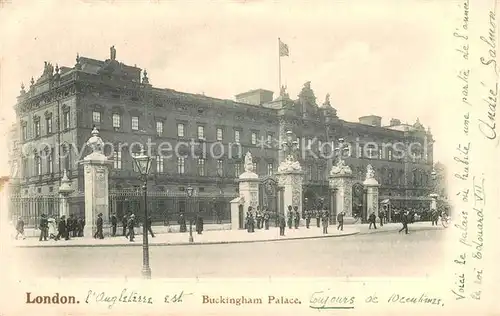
(255, 97)
(394, 122)
(371, 120)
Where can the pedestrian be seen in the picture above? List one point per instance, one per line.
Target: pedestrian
(114, 223)
(43, 228)
(266, 219)
(318, 217)
(73, 226)
(434, 217)
(149, 222)
(20, 228)
(249, 220)
(296, 217)
(259, 218)
(340, 221)
(52, 227)
(99, 223)
(130, 226)
(373, 220)
(124, 225)
(325, 220)
(81, 226)
(290, 217)
(199, 224)
(62, 229)
(182, 223)
(381, 217)
(404, 221)
(308, 218)
(282, 224)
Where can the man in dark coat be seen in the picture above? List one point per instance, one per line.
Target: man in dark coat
(81, 226)
(404, 221)
(296, 217)
(124, 225)
(182, 223)
(434, 217)
(318, 217)
(282, 224)
(149, 222)
(267, 216)
(290, 217)
(114, 223)
(373, 221)
(308, 218)
(131, 226)
(20, 228)
(340, 221)
(381, 216)
(44, 228)
(325, 220)
(74, 225)
(199, 224)
(99, 234)
(61, 229)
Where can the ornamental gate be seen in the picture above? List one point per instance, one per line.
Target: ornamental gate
(269, 194)
(358, 203)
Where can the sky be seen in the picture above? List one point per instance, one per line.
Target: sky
(388, 58)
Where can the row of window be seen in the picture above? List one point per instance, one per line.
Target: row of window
(160, 165)
(49, 129)
(181, 166)
(181, 129)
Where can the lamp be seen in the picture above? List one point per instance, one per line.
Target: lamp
(189, 191)
(143, 162)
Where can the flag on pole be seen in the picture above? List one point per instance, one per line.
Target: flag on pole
(283, 49)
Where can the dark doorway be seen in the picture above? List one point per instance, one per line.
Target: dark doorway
(357, 201)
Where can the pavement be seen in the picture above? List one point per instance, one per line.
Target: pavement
(221, 236)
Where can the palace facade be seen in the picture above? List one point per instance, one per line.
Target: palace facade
(57, 112)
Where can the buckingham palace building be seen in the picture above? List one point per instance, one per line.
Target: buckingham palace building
(200, 141)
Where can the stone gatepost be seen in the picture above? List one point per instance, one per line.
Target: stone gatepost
(96, 166)
(341, 180)
(434, 198)
(371, 185)
(64, 191)
(249, 191)
(290, 177)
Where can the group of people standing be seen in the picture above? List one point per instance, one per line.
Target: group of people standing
(53, 228)
(259, 219)
(197, 220)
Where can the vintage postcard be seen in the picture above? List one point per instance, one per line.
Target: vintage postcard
(249, 157)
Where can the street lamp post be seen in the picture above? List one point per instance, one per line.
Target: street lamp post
(434, 196)
(189, 191)
(143, 163)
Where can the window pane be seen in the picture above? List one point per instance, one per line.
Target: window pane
(159, 128)
(180, 130)
(219, 134)
(237, 136)
(135, 123)
(116, 120)
(201, 132)
(96, 117)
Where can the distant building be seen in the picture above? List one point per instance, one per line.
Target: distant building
(56, 113)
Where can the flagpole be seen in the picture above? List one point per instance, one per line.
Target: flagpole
(279, 65)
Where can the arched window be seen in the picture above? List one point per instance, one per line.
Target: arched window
(389, 177)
